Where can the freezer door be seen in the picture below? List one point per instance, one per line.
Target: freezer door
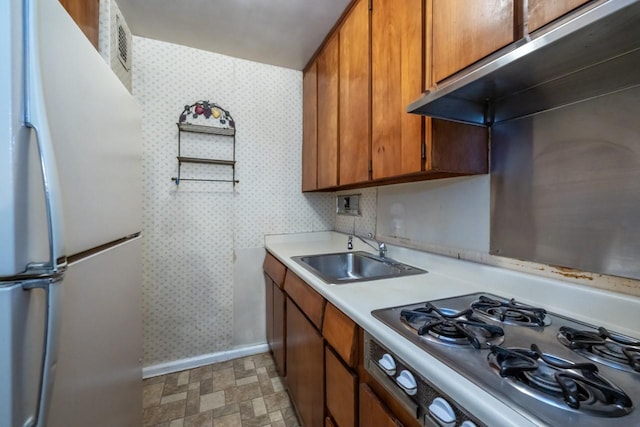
(95, 126)
(23, 219)
(22, 315)
(99, 373)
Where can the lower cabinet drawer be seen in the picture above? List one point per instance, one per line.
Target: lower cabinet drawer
(374, 413)
(341, 386)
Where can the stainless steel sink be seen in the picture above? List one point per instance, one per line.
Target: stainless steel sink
(349, 267)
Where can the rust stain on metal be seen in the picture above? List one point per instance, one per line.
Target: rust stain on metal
(571, 273)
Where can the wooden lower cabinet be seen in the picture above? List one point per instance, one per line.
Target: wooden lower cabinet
(279, 341)
(374, 413)
(268, 291)
(274, 273)
(328, 422)
(341, 385)
(276, 324)
(305, 367)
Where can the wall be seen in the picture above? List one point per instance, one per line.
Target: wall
(452, 217)
(203, 242)
(451, 214)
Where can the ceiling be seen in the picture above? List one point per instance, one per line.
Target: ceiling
(277, 32)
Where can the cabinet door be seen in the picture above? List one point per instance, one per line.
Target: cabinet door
(541, 12)
(278, 345)
(341, 390)
(373, 413)
(328, 114)
(86, 13)
(397, 80)
(355, 101)
(305, 367)
(465, 32)
(310, 129)
(269, 285)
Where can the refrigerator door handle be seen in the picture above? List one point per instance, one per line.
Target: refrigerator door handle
(36, 118)
(51, 286)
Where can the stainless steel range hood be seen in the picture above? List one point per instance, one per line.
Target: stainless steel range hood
(582, 57)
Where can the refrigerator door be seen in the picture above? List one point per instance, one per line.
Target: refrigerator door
(30, 205)
(96, 130)
(99, 374)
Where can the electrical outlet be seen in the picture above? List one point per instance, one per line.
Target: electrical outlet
(348, 204)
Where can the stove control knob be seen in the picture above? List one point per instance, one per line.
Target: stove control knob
(468, 424)
(407, 382)
(387, 364)
(442, 412)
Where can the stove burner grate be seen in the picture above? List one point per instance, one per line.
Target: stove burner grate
(451, 327)
(603, 346)
(511, 312)
(578, 385)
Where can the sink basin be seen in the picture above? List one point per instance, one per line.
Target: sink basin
(349, 267)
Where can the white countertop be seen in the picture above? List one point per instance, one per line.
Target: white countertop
(449, 277)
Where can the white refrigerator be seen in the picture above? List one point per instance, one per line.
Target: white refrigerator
(70, 221)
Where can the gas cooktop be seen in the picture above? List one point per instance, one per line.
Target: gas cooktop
(552, 369)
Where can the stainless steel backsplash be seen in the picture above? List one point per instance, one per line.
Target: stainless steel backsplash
(565, 186)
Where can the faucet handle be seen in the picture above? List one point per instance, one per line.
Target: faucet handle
(383, 249)
(350, 243)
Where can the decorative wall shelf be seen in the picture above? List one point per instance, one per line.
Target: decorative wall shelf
(206, 118)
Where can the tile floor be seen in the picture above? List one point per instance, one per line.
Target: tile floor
(245, 392)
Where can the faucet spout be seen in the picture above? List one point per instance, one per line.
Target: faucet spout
(382, 247)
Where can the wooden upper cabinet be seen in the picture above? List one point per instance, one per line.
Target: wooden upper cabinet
(328, 114)
(354, 95)
(541, 12)
(310, 128)
(86, 13)
(397, 80)
(465, 32)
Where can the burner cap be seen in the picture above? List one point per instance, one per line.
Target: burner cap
(511, 312)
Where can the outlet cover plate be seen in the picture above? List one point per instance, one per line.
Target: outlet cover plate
(348, 204)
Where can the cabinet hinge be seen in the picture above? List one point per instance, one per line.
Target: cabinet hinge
(423, 151)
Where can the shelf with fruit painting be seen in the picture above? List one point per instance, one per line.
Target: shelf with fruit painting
(207, 118)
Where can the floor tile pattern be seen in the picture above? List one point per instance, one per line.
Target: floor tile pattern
(245, 392)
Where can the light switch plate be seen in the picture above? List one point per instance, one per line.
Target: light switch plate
(348, 204)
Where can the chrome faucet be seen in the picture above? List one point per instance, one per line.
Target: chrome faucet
(382, 247)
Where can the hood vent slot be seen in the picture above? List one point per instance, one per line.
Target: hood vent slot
(581, 57)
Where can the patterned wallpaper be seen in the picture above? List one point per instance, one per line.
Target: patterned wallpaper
(198, 233)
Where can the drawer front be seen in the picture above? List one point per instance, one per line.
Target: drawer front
(342, 333)
(274, 269)
(309, 301)
(341, 390)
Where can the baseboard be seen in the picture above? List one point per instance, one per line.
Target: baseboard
(205, 359)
